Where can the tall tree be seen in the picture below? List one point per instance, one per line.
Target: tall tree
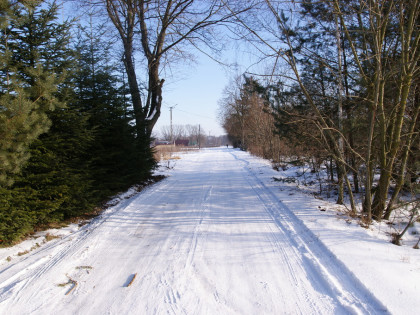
(52, 184)
(27, 85)
(165, 29)
(118, 158)
(391, 44)
(375, 62)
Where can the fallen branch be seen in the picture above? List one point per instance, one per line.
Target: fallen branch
(74, 283)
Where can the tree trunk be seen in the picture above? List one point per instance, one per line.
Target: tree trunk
(331, 169)
(381, 195)
(125, 29)
(340, 175)
(349, 120)
(404, 159)
(154, 100)
(134, 91)
(390, 143)
(367, 203)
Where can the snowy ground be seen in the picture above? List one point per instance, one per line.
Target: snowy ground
(218, 236)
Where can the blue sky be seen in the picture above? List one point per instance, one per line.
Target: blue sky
(195, 97)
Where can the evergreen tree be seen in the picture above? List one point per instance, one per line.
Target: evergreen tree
(26, 92)
(119, 158)
(54, 183)
(57, 179)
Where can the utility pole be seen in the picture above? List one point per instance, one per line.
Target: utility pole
(170, 109)
(172, 135)
(199, 136)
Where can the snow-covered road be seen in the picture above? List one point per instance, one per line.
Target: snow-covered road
(212, 238)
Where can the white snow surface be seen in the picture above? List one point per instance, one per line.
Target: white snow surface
(218, 236)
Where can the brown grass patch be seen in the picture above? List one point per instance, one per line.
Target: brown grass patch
(168, 152)
(50, 237)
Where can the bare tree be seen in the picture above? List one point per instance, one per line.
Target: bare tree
(233, 112)
(163, 28)
(175, 133)
(193, 133)
(382, 65)
(382, 41)
(196, 134)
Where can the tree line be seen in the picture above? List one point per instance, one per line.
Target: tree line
(343, 86)
(195, 134)
(67, 141)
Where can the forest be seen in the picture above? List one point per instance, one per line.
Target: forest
(342, 94)
(67, 142)
(77, 110)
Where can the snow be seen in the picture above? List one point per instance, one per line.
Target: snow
(219, 235)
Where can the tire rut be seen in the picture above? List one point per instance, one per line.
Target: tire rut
(322, 265)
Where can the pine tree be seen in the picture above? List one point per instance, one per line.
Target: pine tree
(56, 178)
(51, 179)
(119, 157)
(26, 93)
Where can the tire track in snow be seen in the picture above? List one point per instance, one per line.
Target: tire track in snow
(227, 281)
(291, 261)
(15, 285)
(174, 288)
(167, 284)
(193, 246)
(194, 254)
(323, 266)
(30, 269)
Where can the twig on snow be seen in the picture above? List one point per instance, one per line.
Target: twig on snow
(73, 282)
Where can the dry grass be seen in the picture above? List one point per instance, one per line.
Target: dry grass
(35, 246)
(63, 284)
(164, 152)
(50, 237)
(168, 152)
(28, 250)
(84, 267)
